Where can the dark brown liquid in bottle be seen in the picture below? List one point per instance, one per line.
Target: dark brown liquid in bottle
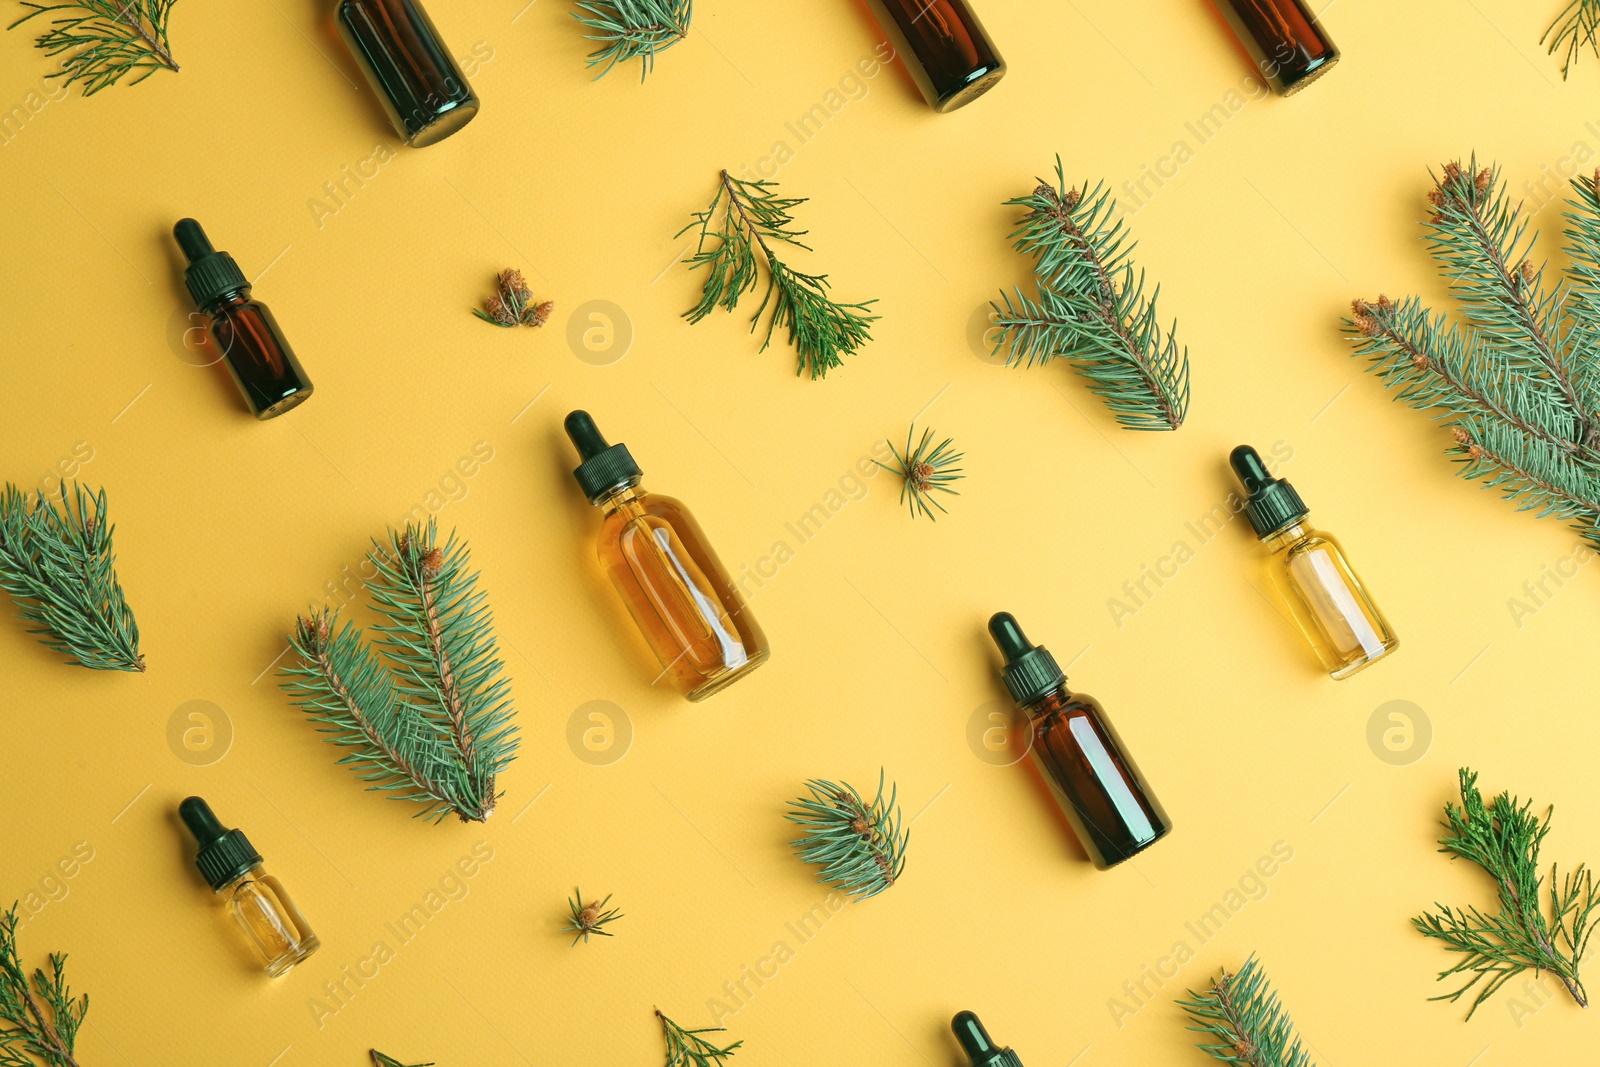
(1098, 786)
(256, 354)
(419, 83)
(1283, 37)
(944, 46)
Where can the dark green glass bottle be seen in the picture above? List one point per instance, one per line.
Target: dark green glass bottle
(945, 48)
(419, 83)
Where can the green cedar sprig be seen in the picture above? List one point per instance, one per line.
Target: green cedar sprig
(58, 565)
(738, 233)
(686, 1048)
(590, 918)
(1516, 380)
(1503, 837)
(633, 29)
(40, 1014)
(1576, 28)
(925, 468)
(423, 710)
(860, 846)
(1250, 1027)
(104, 41)
(1091, 308)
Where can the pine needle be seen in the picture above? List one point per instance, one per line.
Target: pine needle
(1503, 838)
(686, 1048)
(924, 469)
(423, 710)
(590, 918)
(41, 1017)
(104, 41)
(860, 846)
(1576, 28)
(633, 29)
(1250, 1026)
(745, 217)
(1091, 308)
(380, 1060)
(58, 565)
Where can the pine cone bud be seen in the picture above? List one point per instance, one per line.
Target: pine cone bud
(539, 314)
(1481, 182)
(432, 563)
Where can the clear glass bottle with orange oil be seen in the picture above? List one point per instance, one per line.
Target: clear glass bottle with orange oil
(673, 584)
(1311, 573)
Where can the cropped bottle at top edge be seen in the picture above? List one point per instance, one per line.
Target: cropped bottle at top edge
(257, 902)
(1094, 780)
(418, 81)
(1311, 574)
(666, 573)
(944, 46)
(1289, 46)
(252, 346)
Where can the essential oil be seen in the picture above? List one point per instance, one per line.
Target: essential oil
(1289, 46)
(419, 83)
(253, 348)
(945, 48)
(980, 1048)
(273, 927)
(674, 586)
(1311, 574)
(1078, 753)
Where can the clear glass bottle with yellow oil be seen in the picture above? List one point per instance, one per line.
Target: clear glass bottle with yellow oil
(1311, 573)
(273, 927)
(673, 584)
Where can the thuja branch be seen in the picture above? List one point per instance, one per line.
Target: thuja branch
(59, 568)
(1503, 837)
(1091, 308)
(1249, 1026)
(423, 710)
(739, 234)
(40, 1016)
(687, 1048)
(633, 29)
(1517, 381)
(860, 845)
(104, 41)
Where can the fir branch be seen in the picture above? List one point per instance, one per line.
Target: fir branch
(41, 1016)
(860, 847)
(1503, 837)
(633, 29)
(745, 218)
(105, 40)
(1250, 1026)
(1091, 307)
(58, 565)
(513, 303)
(424, 710)
(686, 1048)
(590, 918)
(1576, 28)
(924, 469)
(381, 1060)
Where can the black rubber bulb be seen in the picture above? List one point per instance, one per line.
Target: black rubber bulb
(192, 239)
(973, 1037)
(586, 436)
(201, 821)
(1253, 473)
(1009, 636)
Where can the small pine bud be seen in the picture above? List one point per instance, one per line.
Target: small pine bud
(1384, 303)
(514, 286)
(1367, 326)
(539, 313)
(1071, 199)
(1525, 269)
(432, 563)
(498, 312)
(1481, 182)
(1452, 171)
(861, 826)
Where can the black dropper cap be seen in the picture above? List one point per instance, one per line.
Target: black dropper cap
(224, 854)
(975, 1042)
(1271, 503)
(1031, 671)
(212, 275)
(605, 468)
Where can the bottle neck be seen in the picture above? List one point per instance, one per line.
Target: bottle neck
(1286, 535)
(622, 497)
(252, 871)
(232, 298)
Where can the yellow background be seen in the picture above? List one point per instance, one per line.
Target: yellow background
(227, 527)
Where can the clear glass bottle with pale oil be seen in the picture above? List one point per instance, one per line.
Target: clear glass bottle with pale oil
(665, 571)
(1312, 574)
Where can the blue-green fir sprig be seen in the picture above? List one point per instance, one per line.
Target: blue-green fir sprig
(1091, 307)
(625, 30)
(925, 469)
(860, 845)
(58, 566)
(423, 710)
(1575, 29)
(103, 41)
(1243, 1021)
(589, 918)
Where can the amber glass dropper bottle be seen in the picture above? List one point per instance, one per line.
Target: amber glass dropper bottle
(273, 927)
(661, 564)
(1289, 46)
(419, 83)
(945, 48)
(1075, 748)
(980, 1048)
(261, 362)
